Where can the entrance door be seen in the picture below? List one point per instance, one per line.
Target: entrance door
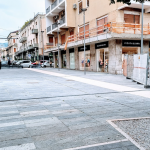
(102, 60)
(72, 61)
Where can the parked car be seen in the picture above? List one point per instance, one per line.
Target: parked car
(3, 63)
(24, 63)
(46, 64)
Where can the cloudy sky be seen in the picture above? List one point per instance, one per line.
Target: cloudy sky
(13, 14)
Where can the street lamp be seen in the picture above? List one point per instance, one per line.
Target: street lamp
(84, 9)
(58, 23)
(142, 29)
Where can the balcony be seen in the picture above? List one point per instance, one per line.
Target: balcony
(23, 39)
(55, 7)
(55, 25)
(34, 31)
(54, 4)
(48, 29)
(48, 10)
(32, 46)
(62, 20)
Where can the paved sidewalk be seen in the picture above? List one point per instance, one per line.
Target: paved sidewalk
(44, 112)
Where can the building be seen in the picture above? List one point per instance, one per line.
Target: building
(31, 41)
(12, 45)
(111, 32)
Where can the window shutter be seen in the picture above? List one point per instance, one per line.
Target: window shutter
(80, 7)
(56, 41)
(13, 40)
(128, 18)
(137, 19)
(63, 39)
(14, 50)
(51, 40)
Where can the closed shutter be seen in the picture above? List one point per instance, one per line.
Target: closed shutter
(81, 31)
(56, 41)
(71, 36)
(63, 39)
(128, 18)
(14, 50)
(137, 19)
(51, 41)
(80, 7)
(100, 25)
(13, 40)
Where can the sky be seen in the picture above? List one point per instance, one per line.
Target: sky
(13, 14)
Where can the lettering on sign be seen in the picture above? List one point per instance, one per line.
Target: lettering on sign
(131, 43)
(101, 45)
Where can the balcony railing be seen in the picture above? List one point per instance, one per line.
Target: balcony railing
(49, 29)
(48, 10)
(111, 27)
(34, 31)
(60, 1)
(54, 4)
(62, 20)
(23, 39)
(49, 44)
(55, 25)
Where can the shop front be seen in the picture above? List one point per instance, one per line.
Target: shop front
(87, 57)
(72, 58)
(102, 56)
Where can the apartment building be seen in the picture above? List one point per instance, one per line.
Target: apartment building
(31, 40)
(111, 32)
(12, 45)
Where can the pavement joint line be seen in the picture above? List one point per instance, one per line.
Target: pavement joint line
(100, 144)
(125, 134)
(67, 96)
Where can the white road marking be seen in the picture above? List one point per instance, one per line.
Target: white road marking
(9, 112)
(28, 146)
(100, 144)
(111, 86)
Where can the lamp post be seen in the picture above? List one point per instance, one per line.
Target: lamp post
(84, 9)
(43, 46)
(142, 28)
(58, 23)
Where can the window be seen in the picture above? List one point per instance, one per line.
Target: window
(71, 36)
(80, 7)
(87, 3)
(100, 24)
(63, 39)
(51, 41)
(13, 40)
(81, 31)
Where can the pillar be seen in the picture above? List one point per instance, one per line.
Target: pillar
(68, 59)
(92, 57)
(54, 60)
(76, 53)
(145, 47)
(115, 57)
(60, 59)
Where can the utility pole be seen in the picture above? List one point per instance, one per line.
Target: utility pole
(84, 9)
(142, 28)
(43, 46)
(58, 23)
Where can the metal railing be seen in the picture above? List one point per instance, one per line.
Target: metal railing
(49, 44)
(55, 25)
(49, 29)
(111, 27)
(48, 10)
(54, 4)
(62, 20)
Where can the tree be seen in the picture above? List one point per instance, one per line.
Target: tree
(126, 1)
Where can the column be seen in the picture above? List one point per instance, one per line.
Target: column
(54, 60)
(68, 59)
(145, 47)
(92, 57)
(115, 57)
(60, 59)
(76, 53)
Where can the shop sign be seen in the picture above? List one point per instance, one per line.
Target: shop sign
(71, 50)
(131, 43)
(101, 45)
(87, 47)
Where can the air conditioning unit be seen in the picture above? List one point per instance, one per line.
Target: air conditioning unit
(74, 6)
(56, 17)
